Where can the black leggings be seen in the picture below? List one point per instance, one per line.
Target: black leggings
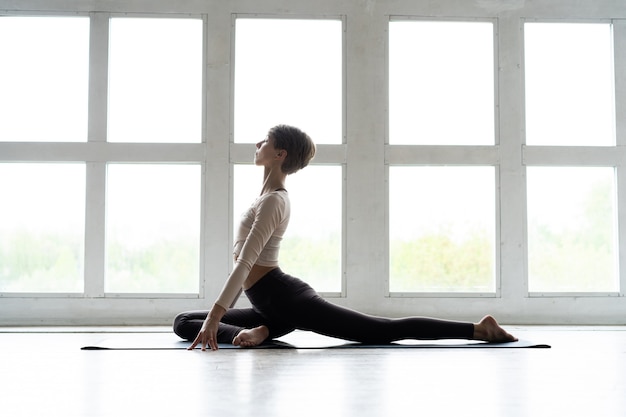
(284, 303)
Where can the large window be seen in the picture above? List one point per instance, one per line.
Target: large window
(442, 219)
(44, 71)
(470, 159)
(153, 219)
(148, 238)
(572, 217)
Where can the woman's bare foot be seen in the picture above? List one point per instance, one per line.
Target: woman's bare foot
(489, 330)
(251, 337)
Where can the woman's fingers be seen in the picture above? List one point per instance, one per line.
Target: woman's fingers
(211, 334)
(212, 341)
(204, 341)
(199, 338)
(207, 336)
(194, 343)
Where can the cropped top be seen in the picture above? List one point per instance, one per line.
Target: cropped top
(258, 238)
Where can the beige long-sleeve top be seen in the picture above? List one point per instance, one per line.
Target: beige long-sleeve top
(260, 232)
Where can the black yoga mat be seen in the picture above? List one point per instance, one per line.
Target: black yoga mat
(295, 340)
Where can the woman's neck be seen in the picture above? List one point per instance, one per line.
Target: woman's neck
(273, 180)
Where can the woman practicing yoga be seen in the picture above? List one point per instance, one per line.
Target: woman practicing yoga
(282, 303)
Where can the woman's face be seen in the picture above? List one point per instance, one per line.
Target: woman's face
(266, 154)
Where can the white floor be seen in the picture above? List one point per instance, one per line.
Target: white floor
(43, 372)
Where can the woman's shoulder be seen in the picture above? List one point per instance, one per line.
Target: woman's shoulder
(273, 198)
(275, 195)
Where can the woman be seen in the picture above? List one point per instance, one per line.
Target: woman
(281, 303)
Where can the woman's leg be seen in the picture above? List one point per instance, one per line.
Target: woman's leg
(289, 300)
(188, 324)
(308, 311)
(321, 316)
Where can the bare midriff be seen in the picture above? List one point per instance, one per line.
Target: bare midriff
(256, 273)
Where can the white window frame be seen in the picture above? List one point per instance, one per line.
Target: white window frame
(450, 155)
(326, 154)
(364, 155)
(586, 156)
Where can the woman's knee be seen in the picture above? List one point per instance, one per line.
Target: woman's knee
(179, 324)
(187, 324)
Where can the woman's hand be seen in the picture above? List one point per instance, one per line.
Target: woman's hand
(208, 333)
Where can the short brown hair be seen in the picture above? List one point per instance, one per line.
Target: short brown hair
(299, 146)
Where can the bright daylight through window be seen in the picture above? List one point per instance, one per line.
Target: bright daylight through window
(43, 98)
(155, 80)
(153, 228)
(153, 219)
(442, 235)
(441, 83)
(442, 220)
(571, 229)
(44, 73)
(442, 232)
(42, 227)
(568, 76)
(153, 211)
(572, 218)
(288, 71)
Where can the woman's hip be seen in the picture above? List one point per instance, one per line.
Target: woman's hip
(277, 289)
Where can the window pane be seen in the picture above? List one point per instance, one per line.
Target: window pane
(44, 72)
(42, 227)
(153, 228)
(571, 229)
(441, 83)
(569, 84)
(288, 71)
(311, 248)
(155, 80)
(442, 229)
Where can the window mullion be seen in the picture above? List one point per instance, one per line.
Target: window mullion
(95, 229)
(98, 76)
(619, 59)
(96, 171)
